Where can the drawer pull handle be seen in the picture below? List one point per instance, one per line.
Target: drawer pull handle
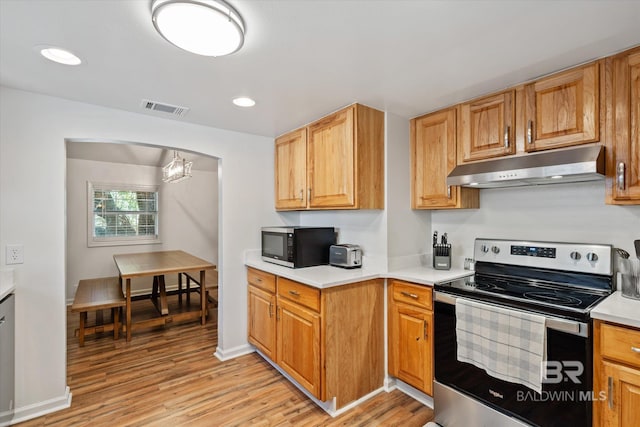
(409, 295)
(294, 293)
(530, 131)
(425, 330)
(270, 310)
(635, 349)
(610, 392)
(258, 279)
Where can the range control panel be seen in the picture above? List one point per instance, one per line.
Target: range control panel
(540, 251)
(578, 257)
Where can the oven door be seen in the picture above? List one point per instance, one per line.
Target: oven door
(566, 396)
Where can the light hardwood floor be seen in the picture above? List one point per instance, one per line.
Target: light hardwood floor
(168, 376)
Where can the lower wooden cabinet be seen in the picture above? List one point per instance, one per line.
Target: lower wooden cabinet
(262, 321)
(616, 378)
(299, 344)
(330, 341)
(411, 334)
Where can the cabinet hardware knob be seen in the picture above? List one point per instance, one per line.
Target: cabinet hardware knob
(610, 392)
(530, 131)
(409, 295)
(506, 136)
(635, 349)
(294, 293)
(620, 175)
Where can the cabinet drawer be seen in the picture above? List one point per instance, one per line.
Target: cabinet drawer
(621, 344)
(302, 294)
(262, 280)
(420, 296)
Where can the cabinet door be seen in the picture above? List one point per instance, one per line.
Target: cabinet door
(433, 157)
(299, 345)
(563, 109)
(623, 396)
(487, 127)
(331, 161)
(410, 343)
(623, 143)
(262, 321)
(291, 170)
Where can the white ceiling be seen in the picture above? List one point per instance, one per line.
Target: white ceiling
(135, 154)
(303, 59)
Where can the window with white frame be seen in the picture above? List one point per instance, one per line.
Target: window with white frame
(122, 214)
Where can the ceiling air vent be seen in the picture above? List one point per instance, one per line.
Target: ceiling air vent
(176, 110)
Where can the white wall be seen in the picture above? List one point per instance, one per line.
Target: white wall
(407, 229)
(33, 129)
(560, 212)
(188, 219)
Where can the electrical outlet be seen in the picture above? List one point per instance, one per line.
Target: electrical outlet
(15, 254)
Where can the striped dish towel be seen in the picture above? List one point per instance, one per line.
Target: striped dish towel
(507, 344)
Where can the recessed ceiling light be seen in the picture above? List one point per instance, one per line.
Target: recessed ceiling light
(556, 177)
(473, 183)
(203, 27)
(59, 55)
(243, 101)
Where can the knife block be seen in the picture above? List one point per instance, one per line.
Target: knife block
(442, 257)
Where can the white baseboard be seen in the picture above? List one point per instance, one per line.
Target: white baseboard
(330, 405)
(224, 355)
(394, 383)
(39, 409)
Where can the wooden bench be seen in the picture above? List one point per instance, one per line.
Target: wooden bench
(95, 295)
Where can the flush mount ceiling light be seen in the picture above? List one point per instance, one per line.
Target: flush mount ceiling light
(244, 101)
(203, 27)
(59, 55)
(177, 169)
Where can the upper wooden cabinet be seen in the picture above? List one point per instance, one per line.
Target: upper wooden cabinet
(562, 109)
(336, 162)
(623, 127)
(487, 127)
(433, 157)
(291, 170)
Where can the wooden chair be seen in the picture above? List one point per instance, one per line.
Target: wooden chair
(96, 295)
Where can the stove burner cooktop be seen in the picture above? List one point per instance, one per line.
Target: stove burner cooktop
(554, 298)
(532, 295)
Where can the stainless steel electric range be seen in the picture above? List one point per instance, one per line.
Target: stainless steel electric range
(560, 282)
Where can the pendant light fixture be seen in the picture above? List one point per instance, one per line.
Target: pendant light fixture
(203, 27)
(177, 169)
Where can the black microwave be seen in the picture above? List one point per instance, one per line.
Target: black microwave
(298, 246)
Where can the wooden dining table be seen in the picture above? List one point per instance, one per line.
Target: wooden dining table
(156, 265)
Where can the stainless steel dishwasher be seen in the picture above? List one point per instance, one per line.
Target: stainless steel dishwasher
(7, 332)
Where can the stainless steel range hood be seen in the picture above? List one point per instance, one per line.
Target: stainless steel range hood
(549, 167)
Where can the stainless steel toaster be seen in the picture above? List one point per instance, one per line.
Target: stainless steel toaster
(345, 255)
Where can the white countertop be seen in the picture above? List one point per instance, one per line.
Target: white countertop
(326, 276)
(618, 309)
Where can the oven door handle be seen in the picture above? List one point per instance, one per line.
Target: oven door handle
(563, 325)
